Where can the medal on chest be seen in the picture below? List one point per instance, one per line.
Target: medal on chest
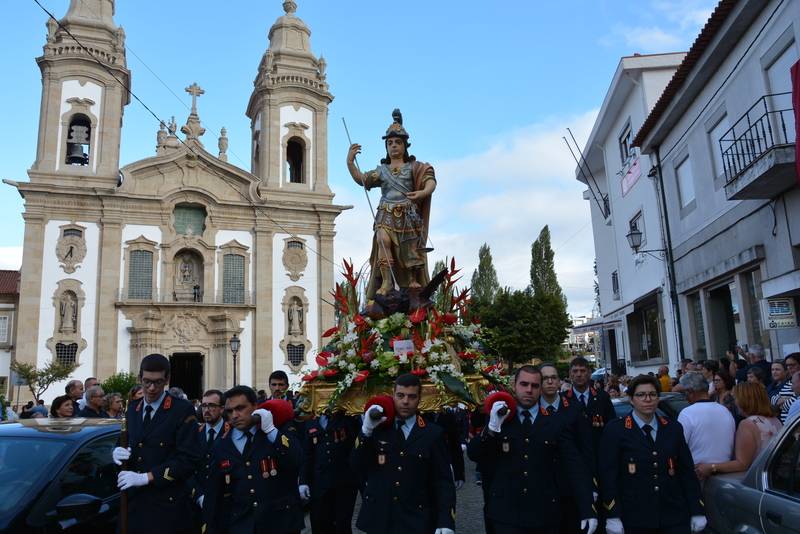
(671, 465)
(381, 459)
(506, 446)
(632, 468)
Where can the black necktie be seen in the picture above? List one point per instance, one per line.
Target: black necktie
(526, 420)
(583, 400)
(401, 436)
(148, 411)
(647, 429)
(211, 433)
(551, 409)
(249, 437)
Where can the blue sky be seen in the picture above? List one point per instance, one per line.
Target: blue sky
(487, 90)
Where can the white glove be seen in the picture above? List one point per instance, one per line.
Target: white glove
(305, 493)
(459, 484)
(443, 531)
(120, 454)
(370, 424)
(463, 447)
(614, 526)
(495, 419)
(129, 479)
(591, 523)
(200, 501)
(266, 420)
(698, 523)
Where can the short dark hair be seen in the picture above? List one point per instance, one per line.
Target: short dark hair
(215, 392)
(90, 378)
(548, 365)
(71, 385)
(408, 380)
(247, 391)
(58, 402)
(532, 369)
(580, 361)
(640, 381)
(279, 375)
(711, 365)
(153, 363)
(727, 379)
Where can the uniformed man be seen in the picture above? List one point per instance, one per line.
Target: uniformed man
(407, 467)
(647, 479)
(524, 449)
(596, 403)
(326, 478)
(162, 432)
(573, 411)
(452, 440)
(213, 427)
(252, 483)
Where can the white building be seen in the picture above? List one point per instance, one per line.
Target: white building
(725, 147)
(637, 323)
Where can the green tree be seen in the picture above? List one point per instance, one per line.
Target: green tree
(597, 289)
(484, 282)
(41, 379)
(549, 302)
(510, 325)
(439, 296)
(121, 383)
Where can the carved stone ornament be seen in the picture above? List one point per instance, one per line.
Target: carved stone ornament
(295, 259)
(71, 250)
(187, 331)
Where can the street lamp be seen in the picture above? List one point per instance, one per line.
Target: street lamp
(635, 241)
(235, 344)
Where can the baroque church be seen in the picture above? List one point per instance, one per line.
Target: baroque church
(179, 252)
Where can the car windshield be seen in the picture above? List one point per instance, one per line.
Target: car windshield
(23, 462)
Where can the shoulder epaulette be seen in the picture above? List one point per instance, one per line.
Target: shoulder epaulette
(629, 422)
(420, 421)
(167, 402)
(543, 411)
(662, 419)
(594, 393)
(566, 403)
(201, 427)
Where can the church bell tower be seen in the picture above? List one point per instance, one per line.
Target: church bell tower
(84, 91)
(289, 111)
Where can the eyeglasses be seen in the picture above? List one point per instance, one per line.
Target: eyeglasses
(550, 379)
(157, 383)
(646, 396)
(210, 406)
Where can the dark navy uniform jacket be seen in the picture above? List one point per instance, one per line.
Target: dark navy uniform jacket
(196, 485)
(648, 486)
(257, 493)
(576, 423)
(523, 490)
(452, 440)
(599, 412)
(169, 448)
(327, 453)
(409, 487)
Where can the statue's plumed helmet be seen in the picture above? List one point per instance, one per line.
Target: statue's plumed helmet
(396, 129)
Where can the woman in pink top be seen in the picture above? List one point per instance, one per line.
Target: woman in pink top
(760, 425)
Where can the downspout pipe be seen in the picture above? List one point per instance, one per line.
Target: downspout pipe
(673, 295)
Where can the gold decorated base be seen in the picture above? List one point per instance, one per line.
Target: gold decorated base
(317, 394)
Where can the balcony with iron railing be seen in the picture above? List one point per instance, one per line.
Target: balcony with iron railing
(186, 297)
(758, 152)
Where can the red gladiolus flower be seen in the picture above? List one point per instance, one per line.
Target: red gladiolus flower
(449, 319)
(330, 372)
(361, 376)
(330, 332)
(311, 376)
(419, 372)
(417, 316)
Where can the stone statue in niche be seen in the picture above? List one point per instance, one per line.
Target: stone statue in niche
(186, 271)
(295, 315)
(69, 314)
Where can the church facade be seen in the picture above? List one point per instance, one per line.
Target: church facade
(179, 252)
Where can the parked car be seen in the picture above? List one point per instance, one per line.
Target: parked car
(57, 475)
(669, 404)
(766, 497)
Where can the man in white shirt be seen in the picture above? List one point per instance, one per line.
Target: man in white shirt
(708, 426)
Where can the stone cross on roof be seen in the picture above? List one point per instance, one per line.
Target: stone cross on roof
(195, 91)
(289, 6)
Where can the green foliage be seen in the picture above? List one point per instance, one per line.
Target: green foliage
(551, 326)
(484, 282)
(41, 379)
(121, 383)
(596, 289)
(563, 369)
(510, 325)
(543, 270)
(3, 404)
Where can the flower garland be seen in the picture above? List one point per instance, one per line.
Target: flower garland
(446, 345)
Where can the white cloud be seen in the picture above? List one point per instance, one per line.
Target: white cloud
(10, 258)
(503, 196)
(667, 26)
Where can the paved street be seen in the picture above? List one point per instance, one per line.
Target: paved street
(469, 507)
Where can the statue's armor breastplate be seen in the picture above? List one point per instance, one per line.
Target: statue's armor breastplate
(390, 192)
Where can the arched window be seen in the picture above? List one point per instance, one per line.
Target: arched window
(78, 140)
(294, 161)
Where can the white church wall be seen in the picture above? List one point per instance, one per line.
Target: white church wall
(123, 343)
(91, 91)
(245, 357)
(304, 116)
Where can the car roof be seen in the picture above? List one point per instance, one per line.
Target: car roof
(68, 428)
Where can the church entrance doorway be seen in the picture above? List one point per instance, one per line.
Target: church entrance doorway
(187, 373)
